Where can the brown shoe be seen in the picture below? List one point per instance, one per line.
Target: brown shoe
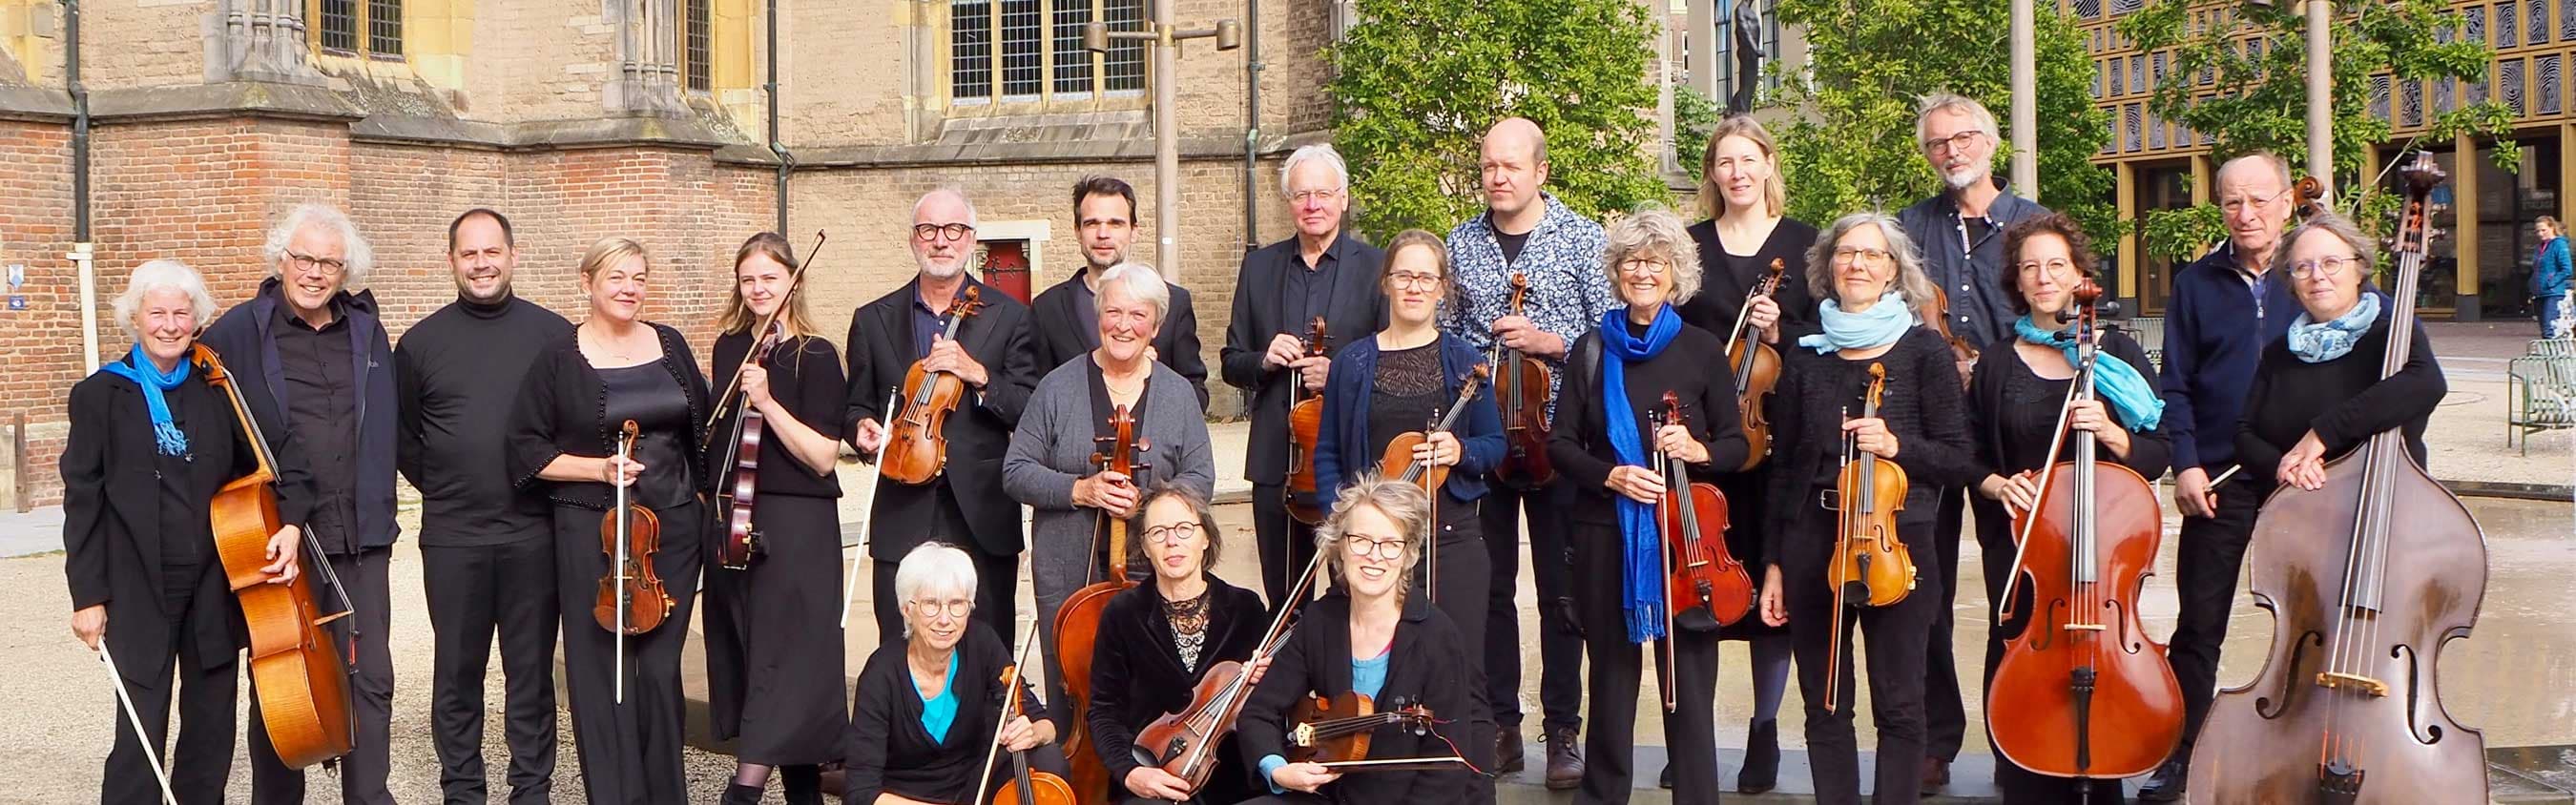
(1564, 760)
(1936, 773)
(1507, 752)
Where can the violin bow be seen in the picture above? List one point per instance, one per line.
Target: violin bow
(795, 283)
(850, 581)
(1010, 692)
(134, 719)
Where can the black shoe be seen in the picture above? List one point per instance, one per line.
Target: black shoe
(1665, 780)
(1564, 759)
(1761, 770)
(1507, 751)
(1936, 774)
(2167, 785)
(804, 784)
(739, 794)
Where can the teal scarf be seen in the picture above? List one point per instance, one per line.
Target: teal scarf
(1880, 325)
(2130, 396)
(1643, 592)
(2318, 342)
(136, 367)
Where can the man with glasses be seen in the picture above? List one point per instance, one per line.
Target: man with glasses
(1961, 235)
(1281, 289)
(317, 368)
(2226, 306)
(1064, 320)
(963, 505)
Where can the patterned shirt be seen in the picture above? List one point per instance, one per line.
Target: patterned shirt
(1568, 291)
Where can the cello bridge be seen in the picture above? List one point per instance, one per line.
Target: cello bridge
(2339, 680)
(2083, 627)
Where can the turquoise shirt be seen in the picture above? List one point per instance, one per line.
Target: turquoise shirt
(938, 712)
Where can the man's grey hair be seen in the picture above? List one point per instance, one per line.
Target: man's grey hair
(355, 252)
(1322, 153)
(2280, 167)
(1139, 282)
(1939, 101)
(946, 190)
(1910, 279)
(160, 275)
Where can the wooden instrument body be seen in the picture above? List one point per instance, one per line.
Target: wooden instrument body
(1025, 787)
(1337, 729)
(1708, 588)
(1522, 387)
(1077, 624)
(1869, 554)
(1756, 368)
(916, 447)
(740, 542)
(647, 602)
(1399, 450)
(1184, 743)
(1305, 425)
(1962, 354)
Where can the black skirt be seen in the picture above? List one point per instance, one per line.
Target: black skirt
(630, 751)
(1745, 499)
(775, 671)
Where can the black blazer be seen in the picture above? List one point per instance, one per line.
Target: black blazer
(880, 352)
(887, 749)
(562, 408)
(1426, 667)
(1136, 675)
(1060, 336)
(1357, 310)
(112, 509)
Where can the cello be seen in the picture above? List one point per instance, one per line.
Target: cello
(916, 448)
(1757, 371)
(1870, 565)
(1077, 622)
(1521, 388)
(2083, 691)
(1305, 425)
(1025, 787)
(740, 543)
(2345, 709)
(296, 667)
(629, 592)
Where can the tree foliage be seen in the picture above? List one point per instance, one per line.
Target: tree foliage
(1694, 116)
(1419, 82)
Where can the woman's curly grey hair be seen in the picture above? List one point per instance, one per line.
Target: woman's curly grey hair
(1910, 279)
(1400, 501)
(1657, 231)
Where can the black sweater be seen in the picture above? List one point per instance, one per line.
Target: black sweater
(455, 376)
(888, 750)
(1726, 279)
(1580, 447)
(2011, 411)
(1922, 404)
(562, 410)
(1136, 675)
(1425, 666)
(2344, 400)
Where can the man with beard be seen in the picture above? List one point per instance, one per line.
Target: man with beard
(1961, 234)
(963, 504)
(487, 562)
(1065, 323)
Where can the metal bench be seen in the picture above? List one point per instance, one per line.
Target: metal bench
(2150, 334)
(2540, 389)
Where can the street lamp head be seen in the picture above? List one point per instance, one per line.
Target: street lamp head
(1095, 37)
(1229, 35)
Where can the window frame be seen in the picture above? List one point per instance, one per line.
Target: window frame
(697, 68)
(997, 73)
(362, 35)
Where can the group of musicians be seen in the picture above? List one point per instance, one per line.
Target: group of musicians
(1933, 341)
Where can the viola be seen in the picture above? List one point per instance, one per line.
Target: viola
(1077, 622)
(1962, 354)
(1521, 387)
(1870, 565)
(2347, 708)
(2084, 691)
(1336, 729)
(740, 543)
(1757, 370)
(1708, 587)
(296, 667)
(1025, 787)
(631, 598)
(916, 448)
(1184, 743)
(1305, 425)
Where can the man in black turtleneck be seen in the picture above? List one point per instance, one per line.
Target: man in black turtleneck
(487, 555)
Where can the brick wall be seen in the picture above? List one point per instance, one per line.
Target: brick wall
(41, 344)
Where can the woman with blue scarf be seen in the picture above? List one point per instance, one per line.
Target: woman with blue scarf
(1873, 289)
(1616, 376)
(150, 444)
(2317, 394)
(2013, 404)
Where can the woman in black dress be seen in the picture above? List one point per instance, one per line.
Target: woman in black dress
(150, 443)
(1620, 373)
(924, 711)
(1372, 637)
(616, 367)
(1741, 191)
(2013, 403)
(774, 669)
(1874, 298)
(2317, 393)
(1157, 641)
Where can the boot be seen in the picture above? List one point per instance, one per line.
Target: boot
(1761, 770)
(1665, 779)
(2167, 785)
(1936, 773)
(1564, 760)
(1507, 751)
(804, 784)
(739, 794)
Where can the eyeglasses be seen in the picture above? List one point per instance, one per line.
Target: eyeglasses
(1317, 194)
(1954, 143)
(1381, 548)
(1409, 281)
(2236, 204)
(941, 231)
(2324, 266)
(955, 607)
(2054, 265)
(305, 263)
(1173, 534)
(1643, 265)
(1846, 255)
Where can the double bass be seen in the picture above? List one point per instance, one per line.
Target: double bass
(1757, 370)
(2083, 691)
(2346, 708)
(1025, 787)
(1305, 425)
(1521, 390)
(916, 448)
(1870, 565)
(1077, 622)
(296, 666)
(738, 495)
(631, 598)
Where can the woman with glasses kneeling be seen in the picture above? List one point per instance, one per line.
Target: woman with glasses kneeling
(923, 712)
(1372, 638)
(1156, 643)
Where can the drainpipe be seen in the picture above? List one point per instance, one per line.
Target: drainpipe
(1252, 125)
(81, 246)
(776, 148)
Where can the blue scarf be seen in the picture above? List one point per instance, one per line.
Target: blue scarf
(2316, 342)
(1640, 543)
(139, 369)
(1880, 325)
(2136, 402)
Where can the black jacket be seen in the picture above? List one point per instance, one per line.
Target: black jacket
(1426, 666)
(1357, 310)
(887, 749)
(561, 411)
(1580, 446)
(242, 337)
(1136, 675)
(1922, 404)
(1059, 335)
(978, 433)
(2344, 401)
(2149, 450)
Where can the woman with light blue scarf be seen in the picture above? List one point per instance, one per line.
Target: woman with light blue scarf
(2318, 393)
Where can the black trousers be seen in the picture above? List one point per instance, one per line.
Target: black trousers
(371, 695)
(1618, 670)
(473, 593)
(629, 750)
(2205, 566)
(997, 578)
(207, 688)
(1287, 546)
(1943, 705)
(1560, 644)
(1895, 636)
(1454, 574)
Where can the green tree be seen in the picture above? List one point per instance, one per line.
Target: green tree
(2260, 102)
(1694, 116)
(1419, 81)
(1851, 144)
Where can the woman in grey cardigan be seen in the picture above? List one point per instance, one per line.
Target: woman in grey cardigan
(1050, 465)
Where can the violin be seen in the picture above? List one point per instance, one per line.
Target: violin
(740, 543)
(631, 598)
(1305, 425)
(1757, 370)
(2083, 690)
(1399, 450)
(296, 667)
(916, 447)
(1708, 587)
(1522, 390)
(2346, 708)
(1962, 354)
(1077, 621)
(1870, 565)
(1336, 729)
(1025, 787)
(1184, 743)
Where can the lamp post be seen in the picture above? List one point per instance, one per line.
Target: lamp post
(1167, 38)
